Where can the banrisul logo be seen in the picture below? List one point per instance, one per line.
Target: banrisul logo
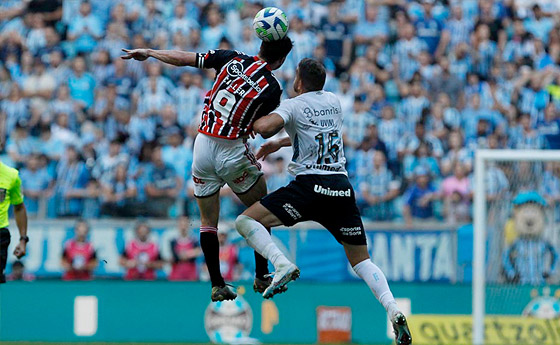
(229, 322)
(332, 192)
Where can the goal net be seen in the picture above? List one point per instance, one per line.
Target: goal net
(516, 239)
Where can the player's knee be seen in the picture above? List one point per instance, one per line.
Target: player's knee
(243, 225)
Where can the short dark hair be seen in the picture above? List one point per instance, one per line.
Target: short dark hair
(275, 51)
(312, 74)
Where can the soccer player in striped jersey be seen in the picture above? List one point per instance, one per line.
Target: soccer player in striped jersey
(244, 90)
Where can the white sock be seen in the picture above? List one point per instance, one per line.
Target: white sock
(260, 240)
(375, 279)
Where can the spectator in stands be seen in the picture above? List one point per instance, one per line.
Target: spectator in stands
(71, 181)
(36, 184)
(20, 145)
(119, 194)
(141, 257)
(39, 86)
(81, 84)
(163, 186)
(526, 137)
(378, 190)
(406, 51)
(106, 165)
(419, 198)
(429, 29)
(185, 250)
(456, 153)
(79, 258)
(549, 127)
(457, 193)
(424, 158)
(15, 109)
(335, 37)
(85, 29)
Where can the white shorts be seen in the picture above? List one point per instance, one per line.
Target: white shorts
(218, 161)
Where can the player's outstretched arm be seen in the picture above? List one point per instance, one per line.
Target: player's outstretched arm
(268, 126)
(172, 57)
(272, 146)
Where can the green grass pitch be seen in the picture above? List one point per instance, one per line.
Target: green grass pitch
(89, 343)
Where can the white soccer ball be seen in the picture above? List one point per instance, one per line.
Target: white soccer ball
(271, 24)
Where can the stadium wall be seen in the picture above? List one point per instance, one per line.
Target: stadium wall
(118, 311)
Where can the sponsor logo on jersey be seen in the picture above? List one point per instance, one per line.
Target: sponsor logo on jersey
(292, 211)
(235, 70)
(322, 167)
(332, 192)
(355, 231)
(241, 178)
(2, 194)
(310, 114)
(198, 180)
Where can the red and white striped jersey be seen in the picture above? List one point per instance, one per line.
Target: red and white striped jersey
(244, 90)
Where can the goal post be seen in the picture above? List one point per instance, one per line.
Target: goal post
(483, 158)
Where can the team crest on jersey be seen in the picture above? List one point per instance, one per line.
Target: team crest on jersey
(2, 194)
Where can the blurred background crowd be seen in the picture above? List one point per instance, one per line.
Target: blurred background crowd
(423, 84)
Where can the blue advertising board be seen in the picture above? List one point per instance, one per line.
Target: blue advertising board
(404, 255)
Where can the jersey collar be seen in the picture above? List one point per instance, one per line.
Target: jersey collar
(256, 58)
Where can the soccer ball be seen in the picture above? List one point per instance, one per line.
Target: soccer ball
(270, 24)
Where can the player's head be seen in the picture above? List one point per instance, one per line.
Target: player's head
(310, 76)
(275, 52)
(81, 230)
(142, 231)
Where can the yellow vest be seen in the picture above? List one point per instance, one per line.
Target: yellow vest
(10, 192)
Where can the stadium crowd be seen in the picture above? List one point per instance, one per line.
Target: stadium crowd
(423, 84)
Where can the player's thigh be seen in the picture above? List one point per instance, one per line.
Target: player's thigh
(239, 168)
(206, 180)
(255, 193)
(209, 208)
(262, 215)
(290, 204)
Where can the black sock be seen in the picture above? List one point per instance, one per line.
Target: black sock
(211, 249)
(261, 265)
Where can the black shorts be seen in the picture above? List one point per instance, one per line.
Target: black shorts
(4, 243)
(327, 199)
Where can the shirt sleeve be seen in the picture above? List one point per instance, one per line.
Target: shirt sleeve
(285, 111)
(215, 58)
(16, 196)
(271, 103)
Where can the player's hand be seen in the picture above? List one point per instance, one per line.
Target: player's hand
(268, 148)
(19, 252)
(130, 263)
(136, 54)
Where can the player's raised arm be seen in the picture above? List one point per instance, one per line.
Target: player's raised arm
(172, 57)
(272, 146)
